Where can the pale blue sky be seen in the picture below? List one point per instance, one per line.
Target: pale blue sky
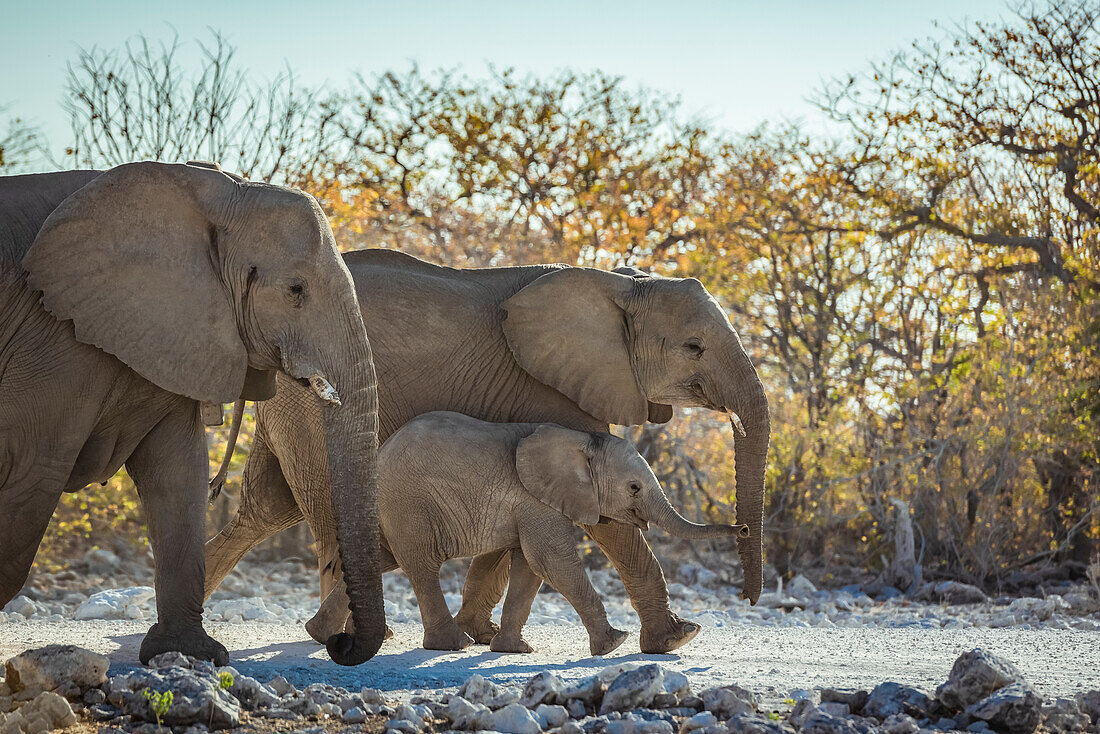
(736, 63)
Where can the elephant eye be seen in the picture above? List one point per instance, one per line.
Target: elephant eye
(296, 292)
(635, 488)
(695, 348)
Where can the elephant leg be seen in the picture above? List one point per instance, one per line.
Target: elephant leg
(307, 478)
(322, 524)
(440, 630)
(266, 507)
(641, 574)
(22, 525)
(335, 613)
(556, 560)
(329, 571)
(523, 586)
(485, 583)
(169, 468)
(334, 616)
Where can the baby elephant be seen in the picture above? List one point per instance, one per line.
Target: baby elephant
(451, 486)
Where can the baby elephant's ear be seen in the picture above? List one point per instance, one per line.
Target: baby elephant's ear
(553, 465)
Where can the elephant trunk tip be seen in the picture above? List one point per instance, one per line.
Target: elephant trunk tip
(345, 649)
(753, 585)
(738, 531)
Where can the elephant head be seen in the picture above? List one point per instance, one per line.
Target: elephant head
(589, 476)
(206, 285)
(627, 347)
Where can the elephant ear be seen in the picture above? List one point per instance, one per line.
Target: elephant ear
(660, 413)
(131, 258)
(569, 330)
(258, 384)
(552, 464)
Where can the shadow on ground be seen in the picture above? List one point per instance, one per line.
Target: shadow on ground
(398, 665)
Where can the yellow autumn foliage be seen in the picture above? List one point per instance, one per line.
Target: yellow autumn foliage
(920, 291)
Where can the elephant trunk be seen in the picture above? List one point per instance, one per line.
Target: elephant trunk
(748, 405)
(350, 420)
(660, 512)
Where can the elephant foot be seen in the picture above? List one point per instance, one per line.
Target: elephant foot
(671, 634)
(188, 640)
(504, 642)
(606, 641)
(481, 631)
(450, 638)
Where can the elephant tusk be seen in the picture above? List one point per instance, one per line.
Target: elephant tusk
(735, 421)
(324, 390)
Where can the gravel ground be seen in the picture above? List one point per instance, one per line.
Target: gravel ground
(797, 638)
(773, 662)
(104, 587)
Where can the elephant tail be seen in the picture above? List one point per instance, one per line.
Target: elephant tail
(218, 481)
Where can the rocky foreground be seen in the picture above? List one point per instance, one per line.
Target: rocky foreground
(790, 656)
(63, 686)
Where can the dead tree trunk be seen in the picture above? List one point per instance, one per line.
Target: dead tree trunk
(904, 572)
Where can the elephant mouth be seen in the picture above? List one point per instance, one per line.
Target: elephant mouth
(307, 374)
(631, 518)
(690, 394)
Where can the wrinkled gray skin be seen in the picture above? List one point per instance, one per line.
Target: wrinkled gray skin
(578, 347)
(126, 299)
(469, 487)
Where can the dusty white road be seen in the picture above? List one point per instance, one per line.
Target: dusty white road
(770, 661)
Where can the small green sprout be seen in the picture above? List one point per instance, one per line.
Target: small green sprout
(789, 701)
(160, 702)
(774, 716)
(225, 680)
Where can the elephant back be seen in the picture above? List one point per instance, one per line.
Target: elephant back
(26, 202)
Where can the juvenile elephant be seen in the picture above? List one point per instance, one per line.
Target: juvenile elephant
(579, 347)
(451, 486)
(127, 298)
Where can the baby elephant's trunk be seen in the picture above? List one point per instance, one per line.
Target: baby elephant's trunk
(665, 516)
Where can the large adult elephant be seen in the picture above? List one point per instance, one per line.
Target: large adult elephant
(128, 298)
(579, 347)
